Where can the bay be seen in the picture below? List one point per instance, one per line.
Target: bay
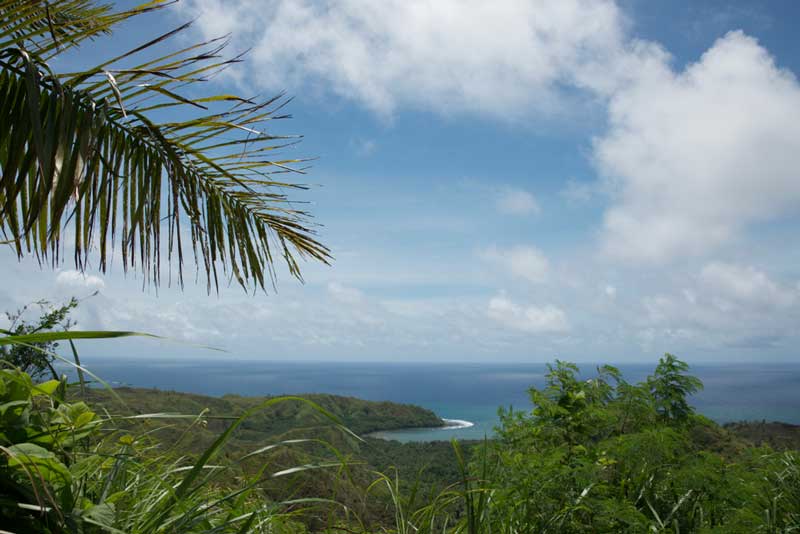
(463, 391)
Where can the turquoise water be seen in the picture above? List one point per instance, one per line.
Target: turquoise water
(471, 392)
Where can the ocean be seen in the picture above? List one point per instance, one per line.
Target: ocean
(467, 392)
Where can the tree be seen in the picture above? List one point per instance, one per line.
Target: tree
(36, 359)
(670, 385)
(126, 152)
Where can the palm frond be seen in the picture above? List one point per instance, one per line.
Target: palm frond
(126, 151)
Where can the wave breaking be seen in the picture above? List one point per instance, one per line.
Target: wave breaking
(452, 424)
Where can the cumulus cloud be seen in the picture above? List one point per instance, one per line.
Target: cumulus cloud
(521, 261)
(691, 156)
(499, 58)
(745, 285)
(78, 280)
(696, 155)
(516, 202)
(725, 305)
(533, 319)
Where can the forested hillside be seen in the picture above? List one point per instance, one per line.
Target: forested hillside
(594, 454)
(281, 420)
(117, 155)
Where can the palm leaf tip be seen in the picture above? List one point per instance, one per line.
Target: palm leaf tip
(125, 152)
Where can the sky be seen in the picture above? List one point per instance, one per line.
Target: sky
(515, 181)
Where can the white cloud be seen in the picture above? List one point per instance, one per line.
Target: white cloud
(502, 58)
(516, 202)
(697, 155)
(693, 156)
(533, 319)
(745, 285)
(345, 294)
(726, 305)
(610, 291)
(521, 261)
(76, 279)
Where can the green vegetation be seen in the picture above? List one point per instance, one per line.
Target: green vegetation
(779, 436)
(118, 151)
(281, 421)
(36, 359)
(129, 151)
(593, 455)
(603, 455)
(66, 469)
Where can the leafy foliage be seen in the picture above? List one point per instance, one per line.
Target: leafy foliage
(66, 469)
(95, 149)
(36, 359)
(779, 436)
(40, 434)
(593, 455)
(281, 421)
(670, 387)
(602, 455)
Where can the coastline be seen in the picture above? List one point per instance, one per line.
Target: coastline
(453, 424)
(449, 424)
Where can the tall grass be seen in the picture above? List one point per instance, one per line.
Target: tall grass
(69, 469)
(460, 508)
(65, 468)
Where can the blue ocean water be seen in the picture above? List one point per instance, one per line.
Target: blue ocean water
(464, 391)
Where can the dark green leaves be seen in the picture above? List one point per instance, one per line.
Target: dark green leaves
(671, 386)
(119, 155)
(47, 337)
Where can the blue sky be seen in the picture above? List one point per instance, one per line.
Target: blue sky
(505, 181)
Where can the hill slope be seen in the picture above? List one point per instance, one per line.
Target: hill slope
(358, 415)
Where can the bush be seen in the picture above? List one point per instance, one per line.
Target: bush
(66, 469)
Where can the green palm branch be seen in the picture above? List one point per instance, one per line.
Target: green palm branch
(128, 156)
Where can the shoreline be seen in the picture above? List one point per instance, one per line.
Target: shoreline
(453, 424)
(449, 424)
